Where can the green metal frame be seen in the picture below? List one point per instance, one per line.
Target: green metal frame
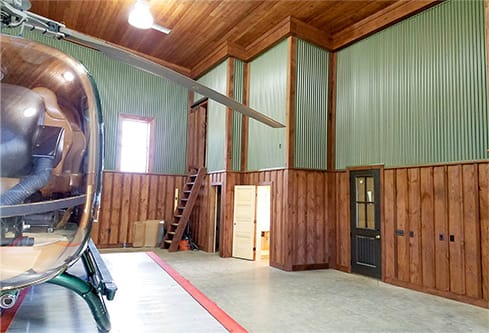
(89, 293)
(98, 284)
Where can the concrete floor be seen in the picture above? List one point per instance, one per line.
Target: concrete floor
(260, 298)
(265, 299)
(148, 300)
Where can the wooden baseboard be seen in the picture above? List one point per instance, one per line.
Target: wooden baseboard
(280, 266)
(306, 267)
(345, 269)
(465, 299)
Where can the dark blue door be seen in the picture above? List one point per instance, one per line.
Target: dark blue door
(365, 222)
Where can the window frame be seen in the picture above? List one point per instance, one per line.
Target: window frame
(150, 156)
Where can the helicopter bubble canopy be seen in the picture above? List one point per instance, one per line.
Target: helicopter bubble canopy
(50, 161)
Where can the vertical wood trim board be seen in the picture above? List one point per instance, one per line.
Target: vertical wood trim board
(343, 261)
(228, 145)
(244, 131)
(331, 125)
(427, 227)
(484, 226)
(290, 104)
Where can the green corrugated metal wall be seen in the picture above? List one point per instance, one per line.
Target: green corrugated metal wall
(416, 92)
(268, 87)
(237, 118)
(124, 89)
(216, 117)
(311, 107)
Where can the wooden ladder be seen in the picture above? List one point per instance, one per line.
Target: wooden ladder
(174, 234)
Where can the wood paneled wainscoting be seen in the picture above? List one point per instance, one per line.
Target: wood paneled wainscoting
(309, 220)
(434, 221)
(130, 197)
(302, 230)
(435, 229)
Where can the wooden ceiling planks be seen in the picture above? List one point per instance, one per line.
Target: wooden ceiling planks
(202, 29)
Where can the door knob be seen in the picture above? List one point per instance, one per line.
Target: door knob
(377, 237)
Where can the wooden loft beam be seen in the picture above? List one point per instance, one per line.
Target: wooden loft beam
(290, 26)
(229, 49)
(176, 68)
(278, 33)
(310, 34)
(225, 50)
(380, 20)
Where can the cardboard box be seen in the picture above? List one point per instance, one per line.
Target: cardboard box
(138, 234)
(151, 233)
(147, 233)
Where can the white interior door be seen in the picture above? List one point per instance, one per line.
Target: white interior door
(244, 222)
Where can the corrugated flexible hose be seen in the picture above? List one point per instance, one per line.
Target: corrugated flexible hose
(30, 184)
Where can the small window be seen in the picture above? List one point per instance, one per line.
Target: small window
(135, 146)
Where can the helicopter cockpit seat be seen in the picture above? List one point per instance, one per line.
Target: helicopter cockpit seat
(66, 173)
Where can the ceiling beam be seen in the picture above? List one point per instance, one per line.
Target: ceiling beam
(380, 20)
(291, 26)
(225, 50)
(310, 34)
(180, 69)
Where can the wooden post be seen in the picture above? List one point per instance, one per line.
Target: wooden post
(331, 125)
(290, 108)
(228, 144)
(244, 129)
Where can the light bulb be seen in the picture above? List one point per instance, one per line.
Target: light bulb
(140, 16)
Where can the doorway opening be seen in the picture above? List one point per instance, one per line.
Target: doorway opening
(217, 217)
(263, 222)
(197, 135)
(365, 222)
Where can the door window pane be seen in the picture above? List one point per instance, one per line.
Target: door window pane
(370, 189)
(361, 223)
(371, 216)
(360, 183)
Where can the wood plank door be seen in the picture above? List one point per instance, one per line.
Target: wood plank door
(197, 136)
(365, 222)
(244, 222)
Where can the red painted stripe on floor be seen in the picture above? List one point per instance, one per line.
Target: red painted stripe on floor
(9, 314)
(229, 323)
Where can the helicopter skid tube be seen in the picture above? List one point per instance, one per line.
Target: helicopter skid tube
(89, 294)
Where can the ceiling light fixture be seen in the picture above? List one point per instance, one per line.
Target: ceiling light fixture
(141, 17)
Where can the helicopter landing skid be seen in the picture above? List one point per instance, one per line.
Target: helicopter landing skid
(92, 290)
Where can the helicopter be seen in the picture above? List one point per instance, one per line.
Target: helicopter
(51, 159)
